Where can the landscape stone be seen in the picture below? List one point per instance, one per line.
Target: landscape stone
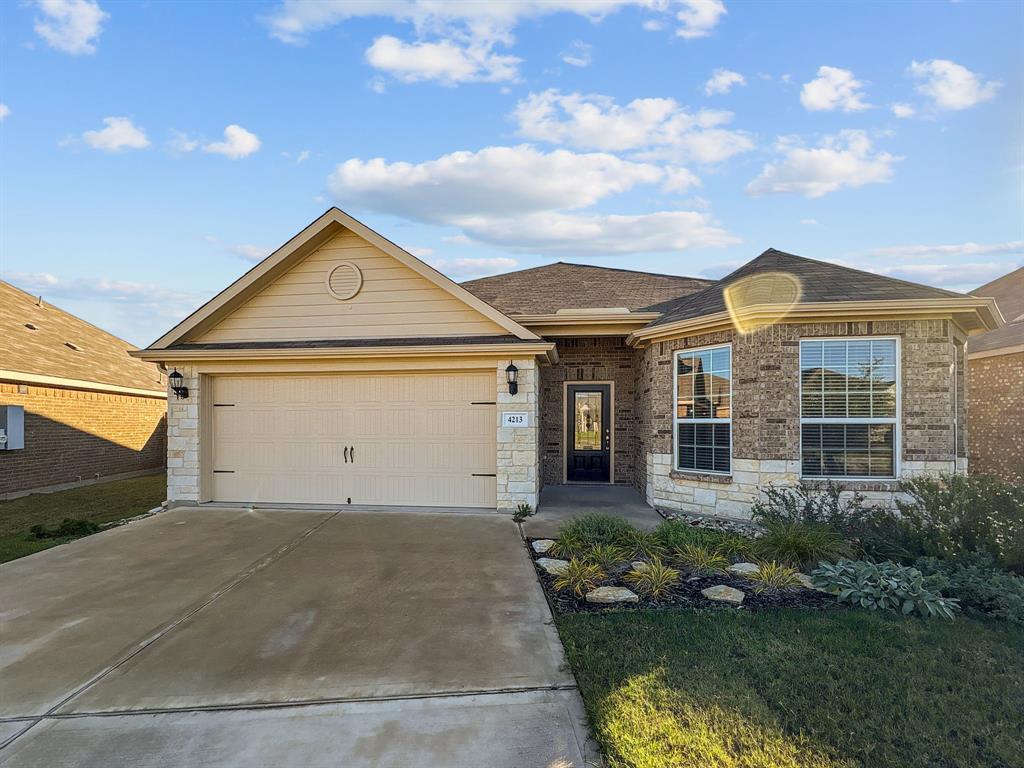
(540, 546)
(744, 569)
(611, 595)
(640, 565)
(553, 566)
(724, 594)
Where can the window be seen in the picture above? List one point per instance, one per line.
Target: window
(703, 417)
(848, 408)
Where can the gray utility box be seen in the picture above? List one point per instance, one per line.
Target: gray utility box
(12, 427)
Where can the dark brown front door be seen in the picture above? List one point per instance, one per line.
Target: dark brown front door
(588, 433)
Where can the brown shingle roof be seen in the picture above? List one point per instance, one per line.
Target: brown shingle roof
(820, 282)
(95, 356)
(1008, 291)
(547, 289)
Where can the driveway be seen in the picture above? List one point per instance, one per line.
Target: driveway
(227, 637)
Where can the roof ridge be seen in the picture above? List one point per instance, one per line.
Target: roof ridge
(589, 266)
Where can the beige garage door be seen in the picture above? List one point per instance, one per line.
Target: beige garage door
(424, 440)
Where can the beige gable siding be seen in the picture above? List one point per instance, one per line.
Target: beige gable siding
(394, 302)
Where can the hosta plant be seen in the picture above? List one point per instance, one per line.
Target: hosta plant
(579, 577)
(883, 586)
(606, 556)
(773, 577)
(701, 560)
(655, 579)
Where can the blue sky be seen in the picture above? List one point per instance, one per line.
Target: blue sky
(151, 151)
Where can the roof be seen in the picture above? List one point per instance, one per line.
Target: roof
(820, 282)
(38, 338)
(547, 289)
(1008, 291)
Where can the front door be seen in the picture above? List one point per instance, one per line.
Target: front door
(588, 433)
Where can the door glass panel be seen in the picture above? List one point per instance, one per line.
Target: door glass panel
(587, 410)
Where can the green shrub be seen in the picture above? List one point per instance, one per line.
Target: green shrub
(978, 584)
(522, 512)
(675, 534)
(701, 560)
(597, 528)
(641, 544)
(884, 586)
(606, 556)
(801, 544)
(579, 577)
(568, 544)
(773, 577)
(653, 580)
(68, 527)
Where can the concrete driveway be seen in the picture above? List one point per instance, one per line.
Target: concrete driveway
(225, 637)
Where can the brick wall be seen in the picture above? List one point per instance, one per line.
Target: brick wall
(590, 358)
(74, 436)
(996, 407)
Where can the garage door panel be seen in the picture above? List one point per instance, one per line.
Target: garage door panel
(415, 439)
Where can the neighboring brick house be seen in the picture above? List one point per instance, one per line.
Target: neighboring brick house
(995, 390)
(342, 369)
(91, 411)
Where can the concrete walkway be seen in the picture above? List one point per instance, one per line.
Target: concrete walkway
(560, 503)
(224, 637)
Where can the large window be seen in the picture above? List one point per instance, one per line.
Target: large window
(703, 416)
(849, 407)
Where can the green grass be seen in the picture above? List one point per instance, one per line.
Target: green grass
(796, 689)
(100, 503)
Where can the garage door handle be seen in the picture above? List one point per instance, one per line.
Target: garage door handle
(346, 454)
(352, 454)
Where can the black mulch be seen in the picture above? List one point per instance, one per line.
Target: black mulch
(685, 594)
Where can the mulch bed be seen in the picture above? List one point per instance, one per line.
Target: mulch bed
(685, 594)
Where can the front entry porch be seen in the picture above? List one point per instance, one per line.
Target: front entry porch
(560, 503)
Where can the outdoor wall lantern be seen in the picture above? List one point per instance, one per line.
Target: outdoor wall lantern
(511, 375)
(175, 379)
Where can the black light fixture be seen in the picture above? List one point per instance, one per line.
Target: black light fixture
(511, 376)
(175, 379)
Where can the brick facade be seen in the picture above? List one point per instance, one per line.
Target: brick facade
(75, 436)
(590, 358)
(996, 408)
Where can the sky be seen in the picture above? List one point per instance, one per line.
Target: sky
(152, 152)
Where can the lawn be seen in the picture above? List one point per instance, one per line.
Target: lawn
(790, 688)
(100, 503)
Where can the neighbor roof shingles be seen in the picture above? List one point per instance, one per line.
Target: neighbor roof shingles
(1008, 291)
(547, 289)
(101, 358)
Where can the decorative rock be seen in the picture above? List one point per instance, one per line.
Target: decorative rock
(724, 594)
(806, 583)
(540, 546)
(640, 565)
(744, 569)
(552, 566)
(612, 595)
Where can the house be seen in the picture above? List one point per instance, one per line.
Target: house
(87, 410)
(995, 391)
(341, 369)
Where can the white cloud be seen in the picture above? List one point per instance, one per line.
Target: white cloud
(5, 111)
(951, 86)
(297, 158)
(182, 143)
(653, 25)
(579, 54)
(464, 269)
(952, 276)
(72, 26)
(903, 110)
(698, 17)
(377, 84)
(834, 88)
(250, 252)
(679, 180)
(658, 125)
(952, 250)
(421, 251)
(238, 143)
(843, 160)
(457, 239)
(444, 61)
(119, 134)
(809, 222)
(722, 81)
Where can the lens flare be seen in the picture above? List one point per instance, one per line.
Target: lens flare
(761, 300)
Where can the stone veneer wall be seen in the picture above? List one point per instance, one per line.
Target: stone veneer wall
(996, 408)
(589, 358)
(766, 412)
(183, 440)
(518, 475)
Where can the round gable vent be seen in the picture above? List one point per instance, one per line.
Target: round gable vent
(344, 280)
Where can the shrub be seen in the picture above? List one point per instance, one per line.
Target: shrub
(883, 586)
(606, 556)
(597, 528)
(978, 584)
(802, 504)
(579, 577)
(522, 512)
(641, 544)
(568, 544)
(675, 534)
(773, 577)
(655, 579)
(68, 527)
(801, 544)
(701, 560)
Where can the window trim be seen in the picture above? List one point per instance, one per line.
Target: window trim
(896, 421)
(676, 421)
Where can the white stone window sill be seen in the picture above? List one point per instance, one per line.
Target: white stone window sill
(682, 474)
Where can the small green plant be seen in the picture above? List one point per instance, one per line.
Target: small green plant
(597, 528)
(801, 544)
(607, 556)
(978, 584)
(773, 577)
(641, 544)
(883, 586)
(68, 527)
(579, 577)
(675, 534)
(655, 579)
(701, 560)
(568, 544)
(522, 512)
